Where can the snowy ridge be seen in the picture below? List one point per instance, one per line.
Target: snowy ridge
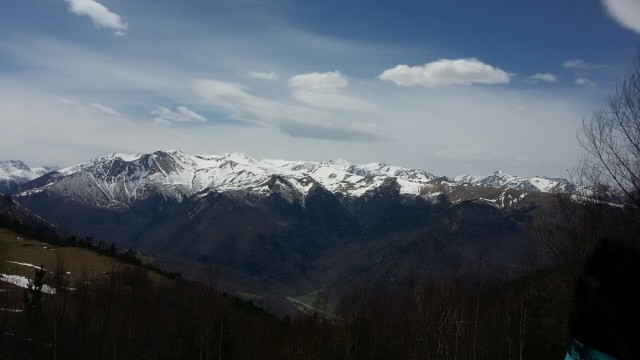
(119, 179)
(505, 181)
(342, 176)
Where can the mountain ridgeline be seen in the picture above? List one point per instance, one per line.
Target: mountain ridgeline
(308, 225)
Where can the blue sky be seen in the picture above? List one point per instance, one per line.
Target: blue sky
(450, 87)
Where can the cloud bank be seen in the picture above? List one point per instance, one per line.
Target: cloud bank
(99, 13)
(446, 72)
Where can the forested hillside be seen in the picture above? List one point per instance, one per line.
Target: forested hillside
(123, 310)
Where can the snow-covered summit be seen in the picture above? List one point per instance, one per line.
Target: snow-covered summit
(15, 172)
(502, 180)
(18, 169)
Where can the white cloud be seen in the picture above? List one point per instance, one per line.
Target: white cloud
(263, 75)
(536, 78)
(446, 72)
(107, 110)
(320, 82)
(325, 90)
(584, 82)
(625, 12)
(581, 65)
(165, 115)
(99, 13)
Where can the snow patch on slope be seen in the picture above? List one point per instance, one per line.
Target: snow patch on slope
(23, 282)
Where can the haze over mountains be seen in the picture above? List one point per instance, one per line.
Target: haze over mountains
(304, 225)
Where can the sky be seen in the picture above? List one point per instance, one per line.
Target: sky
(450, 87)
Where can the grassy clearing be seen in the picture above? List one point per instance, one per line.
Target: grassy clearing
(16, 248)
(78, 263)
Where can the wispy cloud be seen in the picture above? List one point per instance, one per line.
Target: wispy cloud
(107, 110)
(91, 108)
(580, 65)
(263, 75)
(325, 90)
(583, 81)
(625, 12)
(536, 78)
(581, 69)
(165, 115)
(297, 121)
(446, 72)
(100, 15)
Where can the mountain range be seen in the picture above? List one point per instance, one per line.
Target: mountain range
(294, 227)
(120, 179)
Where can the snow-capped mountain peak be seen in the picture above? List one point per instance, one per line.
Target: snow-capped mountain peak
(117, 179)
(16, 168)
(15, 172)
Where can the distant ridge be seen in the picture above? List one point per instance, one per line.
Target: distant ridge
(505, 181)
(15, 172)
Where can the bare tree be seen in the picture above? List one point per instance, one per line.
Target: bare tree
(612, 140)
